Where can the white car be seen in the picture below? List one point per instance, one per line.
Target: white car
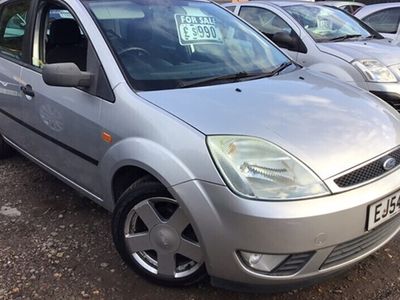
(349, 6)
(383, 17)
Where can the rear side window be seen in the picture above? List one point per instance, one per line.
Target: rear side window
(385, 21)
(13, 22)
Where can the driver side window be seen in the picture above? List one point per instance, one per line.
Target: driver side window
(61, 39)
(272, 26)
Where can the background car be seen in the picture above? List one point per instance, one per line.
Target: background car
(330, 41)
(383, 17)
(349, 6)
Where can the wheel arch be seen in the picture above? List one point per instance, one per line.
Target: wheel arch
(125, 176)
(134, 158)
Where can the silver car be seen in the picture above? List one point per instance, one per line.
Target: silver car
(330, 41)
(215, 152)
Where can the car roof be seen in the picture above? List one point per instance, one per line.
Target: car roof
(340, 3)
(281, 3)
(383, 5)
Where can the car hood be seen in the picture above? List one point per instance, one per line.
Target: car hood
(328, 125)
(383, 50)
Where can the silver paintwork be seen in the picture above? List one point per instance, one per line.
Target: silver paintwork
(315, 99)
(335, 59)
(341, 3)
(330, 126)
(279, 227)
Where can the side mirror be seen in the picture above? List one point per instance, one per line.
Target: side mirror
(65, 74)
(284, 40)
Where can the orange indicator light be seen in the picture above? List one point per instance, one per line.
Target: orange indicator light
(106, 137)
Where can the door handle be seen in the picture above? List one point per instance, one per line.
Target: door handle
(27, 90)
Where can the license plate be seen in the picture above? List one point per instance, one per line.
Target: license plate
(383, 210)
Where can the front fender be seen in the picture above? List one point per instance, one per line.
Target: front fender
(148, 155)
(341, 72)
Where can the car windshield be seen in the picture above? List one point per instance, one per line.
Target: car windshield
(166, 44)
(329, 24)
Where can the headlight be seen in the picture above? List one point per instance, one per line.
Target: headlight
(258, 169)
(374, 70)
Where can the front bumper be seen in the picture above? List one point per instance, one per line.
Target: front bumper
(226, 223)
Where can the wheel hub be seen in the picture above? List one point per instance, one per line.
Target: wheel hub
(164, 238)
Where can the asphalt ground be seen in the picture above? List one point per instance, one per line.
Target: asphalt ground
(56, 244)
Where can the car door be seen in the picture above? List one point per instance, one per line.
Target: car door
(66, 134)
(275, 28)
(385, 21)
(13, 37)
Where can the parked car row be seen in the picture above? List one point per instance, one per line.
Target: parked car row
(219, 154)
(330, 41)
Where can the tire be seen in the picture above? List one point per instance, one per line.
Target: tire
(5, 149)
(154, 237)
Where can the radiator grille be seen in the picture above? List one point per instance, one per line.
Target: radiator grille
(367, 172)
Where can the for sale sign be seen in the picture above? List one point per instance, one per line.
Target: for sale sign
(197, 30)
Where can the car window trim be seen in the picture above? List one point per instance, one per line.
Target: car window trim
(36, 69)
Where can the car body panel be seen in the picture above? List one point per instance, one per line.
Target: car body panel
(273, 227)
(10, 97)
(292, 119)
(57, 113)
(153, 140)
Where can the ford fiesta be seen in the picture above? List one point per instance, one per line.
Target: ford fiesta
(215, 152)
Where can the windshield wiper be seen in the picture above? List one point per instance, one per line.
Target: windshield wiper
(344, 37)
(373, 36)
(199, 82)
(234, 77)
(279, 69)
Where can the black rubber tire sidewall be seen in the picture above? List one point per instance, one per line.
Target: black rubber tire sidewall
(136, 193)
(5, 149)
